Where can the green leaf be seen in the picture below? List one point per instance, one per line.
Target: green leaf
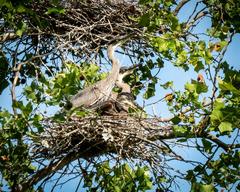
(182, 140)
(32, 96)
(21, 29)
(21, 9)
(190, 175)
(176, 120)
(207, 188)
(190, 87)
(37, 122)
(219, 104)
(207, 56)
(143, 2)
(179, 130)
(196, 87)
(216, 116)
(18, 104)
(140, 171)
(199, 187)
(144, 20)
(182, 57)
(150, 91)
(207, 145)
(55, 10)
(225, 127)
(198, 65)
(4, 84)
(161, 44)
(228, 87)
(201, 88)
(168, 84)
(201, 45)
(28, 109)
(38, 117)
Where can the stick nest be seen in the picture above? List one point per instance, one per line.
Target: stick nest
(87, 26)
(124, 135)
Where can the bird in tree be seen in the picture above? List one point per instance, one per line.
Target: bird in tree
(99, 92)
(125, 99)
(120, 102)
(125, 88)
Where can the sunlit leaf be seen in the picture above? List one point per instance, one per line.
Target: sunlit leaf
(55, 10)
(228, 86)
(225, 126)
(190, 87)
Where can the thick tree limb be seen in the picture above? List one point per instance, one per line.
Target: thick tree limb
(51, 168)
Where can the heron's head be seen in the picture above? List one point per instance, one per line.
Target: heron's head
(123, 69)
(113, 47)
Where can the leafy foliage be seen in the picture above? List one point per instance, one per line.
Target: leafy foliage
(119, 178)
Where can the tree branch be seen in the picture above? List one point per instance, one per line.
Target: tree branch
(179, 6)
(7, 37)
(221, 144)
(197, 17)
(15, 80)
(52, 167)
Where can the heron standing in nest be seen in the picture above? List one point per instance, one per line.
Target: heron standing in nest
(99, 92)
(120, 102)
(125, 99)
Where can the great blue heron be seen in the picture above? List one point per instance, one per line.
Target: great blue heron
(120, 102)
(99, 92)
(121, 84)
(125, 98)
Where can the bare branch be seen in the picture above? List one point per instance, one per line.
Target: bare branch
(198, 16)
(179, 6)
(7, 37)
(221, 144)
(13, 93)
(52, 167)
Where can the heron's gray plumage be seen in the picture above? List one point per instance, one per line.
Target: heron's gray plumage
(100, 91)
(125, 99)
(120, 83)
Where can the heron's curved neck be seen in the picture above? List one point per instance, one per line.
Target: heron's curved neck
(115, 63)
(115, 69)
(125, 87)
